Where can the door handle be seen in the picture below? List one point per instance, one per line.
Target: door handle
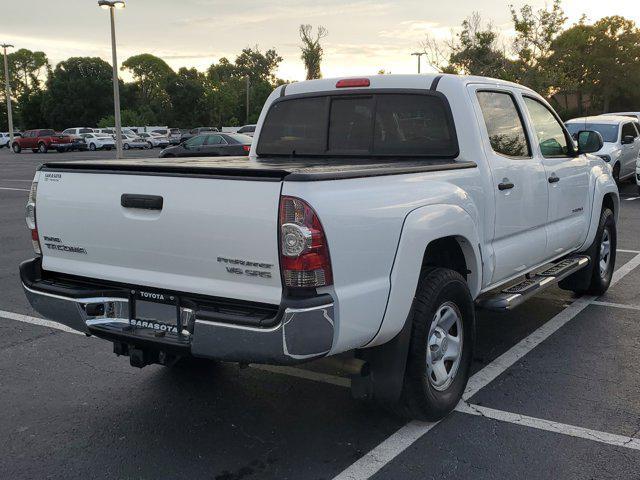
(143, 202)
(554, 179)
(505, 186)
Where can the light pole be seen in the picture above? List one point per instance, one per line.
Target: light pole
(7, 91)
(418, 54)
(111, 5)
(247, 113)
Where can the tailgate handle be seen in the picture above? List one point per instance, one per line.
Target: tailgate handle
(144, 202)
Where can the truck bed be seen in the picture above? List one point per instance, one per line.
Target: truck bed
(298, 169)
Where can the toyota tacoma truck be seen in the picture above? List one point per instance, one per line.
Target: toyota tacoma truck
(372, 218)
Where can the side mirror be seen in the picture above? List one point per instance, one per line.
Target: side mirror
(589, 141)
(627, 139)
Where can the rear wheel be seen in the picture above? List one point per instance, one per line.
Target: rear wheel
(149, 145)
(42, 148)
(126, 146)
(92, 147)
(441, 346)
(16, 148)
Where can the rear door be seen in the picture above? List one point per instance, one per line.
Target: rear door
(213, 145)
(520, 184)
(567, 176)
(209, 236)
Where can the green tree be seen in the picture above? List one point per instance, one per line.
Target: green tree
(226, 97)
(311, 50)
(79, 92)
(535, 32)
(187, 93)
(475, 51)
(129, 118)
(151, 76)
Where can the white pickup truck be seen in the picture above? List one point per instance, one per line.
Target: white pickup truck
(372, 216)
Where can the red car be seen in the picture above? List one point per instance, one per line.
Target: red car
(42, 141)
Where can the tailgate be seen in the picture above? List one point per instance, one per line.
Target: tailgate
(211, 236)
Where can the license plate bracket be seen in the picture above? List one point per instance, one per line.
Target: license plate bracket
(155, 311)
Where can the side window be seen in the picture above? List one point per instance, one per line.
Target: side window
(637, 125)
(196, 141)
(214, 140)
(550, 134)
(628, 129)
(504, 125)
(68, 131)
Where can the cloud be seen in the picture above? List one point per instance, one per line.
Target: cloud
(418, 30)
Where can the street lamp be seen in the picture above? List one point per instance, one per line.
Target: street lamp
(7, 91)
(418, 54)
(111, 5)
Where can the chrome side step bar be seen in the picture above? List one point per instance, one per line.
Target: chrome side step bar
(516, 294)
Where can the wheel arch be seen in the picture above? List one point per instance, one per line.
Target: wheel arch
(605, 194)
(440, 235)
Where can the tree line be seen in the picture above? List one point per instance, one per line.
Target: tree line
(587, 68)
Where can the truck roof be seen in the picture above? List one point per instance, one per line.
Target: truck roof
(409, 81)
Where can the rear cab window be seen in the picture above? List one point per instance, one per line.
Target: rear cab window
(378, 124)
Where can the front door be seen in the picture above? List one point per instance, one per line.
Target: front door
(629, 150)
(567, 177)
(520, 185)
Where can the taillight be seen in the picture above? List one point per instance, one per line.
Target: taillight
(246, 148)
(30, 215)
(304, 253)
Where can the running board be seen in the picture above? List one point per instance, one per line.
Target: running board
(518, 293)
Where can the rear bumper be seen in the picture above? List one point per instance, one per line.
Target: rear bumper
(61, 146)
(300, 330)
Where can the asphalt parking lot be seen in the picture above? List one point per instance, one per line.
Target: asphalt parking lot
(555, 393)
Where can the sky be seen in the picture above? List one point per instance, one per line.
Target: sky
(364, 36)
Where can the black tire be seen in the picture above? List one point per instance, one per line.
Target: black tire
(126, 146)
(16, 148)
(592, 280)
(438, 289)
(42, 148)
(92, 147)
(150, 145)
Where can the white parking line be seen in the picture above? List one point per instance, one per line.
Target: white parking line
(377, 458)
(399, 441)
(18, 189)
(615, 305)
(36, 321)
(549, 426)
(624, 250)
(631, 199)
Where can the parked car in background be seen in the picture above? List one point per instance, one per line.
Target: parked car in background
(173, 134)
(5, 138)
(76, 134)
(248, 130)
(211, 145)
(154, 140)
(635, 115)
(196, 131)
(42, 141)
(77, 131)
(621, 137)
(99, 141)
(638, 174)
(134, 141)
(112, 131)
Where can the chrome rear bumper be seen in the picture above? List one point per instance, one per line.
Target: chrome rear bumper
(301, 330)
